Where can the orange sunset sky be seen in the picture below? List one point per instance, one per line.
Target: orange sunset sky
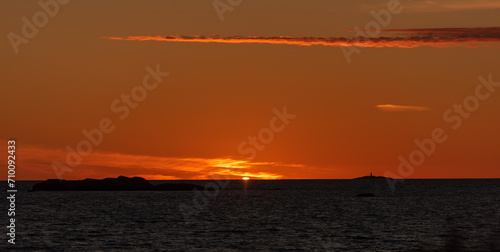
(230, 78)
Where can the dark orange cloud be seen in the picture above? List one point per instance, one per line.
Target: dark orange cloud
(492, 32)
(446, 37)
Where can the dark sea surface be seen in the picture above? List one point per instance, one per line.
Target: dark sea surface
(281, 215)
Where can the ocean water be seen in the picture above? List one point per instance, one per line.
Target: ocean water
(284, 215)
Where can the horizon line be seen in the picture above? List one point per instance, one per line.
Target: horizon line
(251, 179)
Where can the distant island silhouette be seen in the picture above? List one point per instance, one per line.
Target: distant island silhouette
(373, 177)
(120, 183)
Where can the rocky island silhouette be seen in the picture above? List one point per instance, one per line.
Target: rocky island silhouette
(373, 177)
(120, 183)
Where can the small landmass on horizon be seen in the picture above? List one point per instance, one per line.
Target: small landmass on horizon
(120, 183)
(372, 177)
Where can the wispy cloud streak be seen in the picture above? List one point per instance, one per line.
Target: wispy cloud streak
(401, 108)
(492, 32)
(444, 37)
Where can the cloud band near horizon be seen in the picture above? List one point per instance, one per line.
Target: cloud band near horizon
(99, 164)
(440, 37)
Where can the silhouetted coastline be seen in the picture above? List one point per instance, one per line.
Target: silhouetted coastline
(120, 183)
